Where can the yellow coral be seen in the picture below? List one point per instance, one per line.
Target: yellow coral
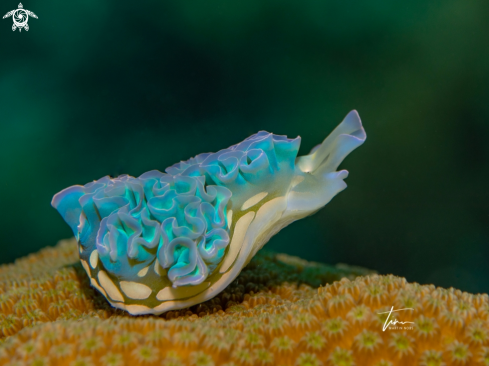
(50, 315)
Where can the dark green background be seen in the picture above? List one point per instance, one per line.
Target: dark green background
(112, 87)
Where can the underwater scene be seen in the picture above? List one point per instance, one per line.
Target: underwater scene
(244, 183)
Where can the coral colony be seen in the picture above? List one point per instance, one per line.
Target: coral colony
(49, 315)
(166, 241)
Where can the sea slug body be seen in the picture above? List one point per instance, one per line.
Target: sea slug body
(166, 241)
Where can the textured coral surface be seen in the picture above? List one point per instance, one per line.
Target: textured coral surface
(274, 313)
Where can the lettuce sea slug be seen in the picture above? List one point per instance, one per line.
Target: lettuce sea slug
(166, 241)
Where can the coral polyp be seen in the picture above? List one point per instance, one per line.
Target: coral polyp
(166, 241)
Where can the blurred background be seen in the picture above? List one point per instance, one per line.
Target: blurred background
(113, 87)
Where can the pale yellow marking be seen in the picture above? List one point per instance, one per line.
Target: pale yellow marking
(132, 309)
(158, 269)
(239, 234)
(143, 272)
(109, 286)
(94, 259)
(170, 293)
(208, 293)
(230, 218)
(80, 249)
(253, 200)
(264, 225)
(85, 266)
(137, 309)
(135, 290)
(96, 285)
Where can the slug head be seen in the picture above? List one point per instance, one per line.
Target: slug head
(316, 180)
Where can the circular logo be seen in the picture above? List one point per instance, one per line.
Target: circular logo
(20, 18)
